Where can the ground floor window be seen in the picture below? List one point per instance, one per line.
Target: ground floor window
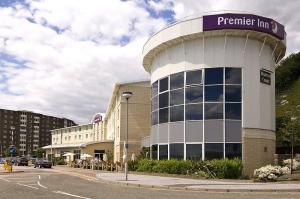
(177, 151)
(194, 151)
(77, 154)
(214, 151)
(163, 152)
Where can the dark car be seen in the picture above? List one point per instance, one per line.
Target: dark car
(22, 161)
(42, 163)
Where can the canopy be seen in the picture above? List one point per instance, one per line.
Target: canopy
(68, 154)
(85, 155)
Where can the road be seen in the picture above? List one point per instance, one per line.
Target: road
(48, 183)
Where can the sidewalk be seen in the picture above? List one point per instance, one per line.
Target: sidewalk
(151, 181)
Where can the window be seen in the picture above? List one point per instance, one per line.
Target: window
(164, 100)
(154, 103)
(176, 97)
(194, 77)
(233, 93)
(154, 117)
(155, 88)
(154, 151)
(164, 84)
(233, 150)
(213, 111)
(176, 151)
(176, 113)
(176, 80)
(194, 94)
(194, 151)
(233, 111)
(164, 115)
(213, 76)
(194, 112)
(233, 76)
(163, 152)
(213, 93)
(213, 151)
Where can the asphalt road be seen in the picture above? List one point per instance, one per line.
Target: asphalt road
(46, 183)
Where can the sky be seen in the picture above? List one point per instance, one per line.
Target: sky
(63, 57)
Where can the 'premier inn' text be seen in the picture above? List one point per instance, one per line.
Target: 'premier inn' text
(243, 21)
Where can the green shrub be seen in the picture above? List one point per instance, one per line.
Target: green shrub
(133, 165)
(227, 168)
(219, 168)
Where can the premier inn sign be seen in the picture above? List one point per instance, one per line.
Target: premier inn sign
(243, 22)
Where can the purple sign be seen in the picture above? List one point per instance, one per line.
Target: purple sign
(243, 22)
(97, 118)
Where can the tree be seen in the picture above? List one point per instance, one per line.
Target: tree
(40, 153)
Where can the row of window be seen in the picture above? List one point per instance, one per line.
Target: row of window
(211, 76)
(194, 151)
(195, 95)
(195, 112)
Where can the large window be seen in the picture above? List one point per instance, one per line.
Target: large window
(194, 94)
(194, 151)
(213, 93)
(176, 80)
(213, 111)
(194, 112)
(194, 77)
(176, 97)
(154, 151)
(163, 152)
(177, 151)
(233, 150)
(176, 113)
(233, 93)
(213, 76)
(164, 84)
(164, 100)
(214, 151)
(155, 88)
(233, 111)
(233, 76)
(164, 115)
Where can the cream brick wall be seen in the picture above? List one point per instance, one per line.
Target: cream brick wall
(138, 117)
(258, 149)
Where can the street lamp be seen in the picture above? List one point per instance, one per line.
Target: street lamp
(126, 95)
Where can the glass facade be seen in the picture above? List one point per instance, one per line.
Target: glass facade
(197, 114)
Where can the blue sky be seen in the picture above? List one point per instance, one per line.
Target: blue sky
(63, 57)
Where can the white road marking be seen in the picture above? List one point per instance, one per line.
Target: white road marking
(4, 179)
(68, 194)
(27, 186)
(39, 177)
(26, 181)
(41, 185)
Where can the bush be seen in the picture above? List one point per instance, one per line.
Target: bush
(270, 173)
(227, 168)
(223, 168)
(132, 165)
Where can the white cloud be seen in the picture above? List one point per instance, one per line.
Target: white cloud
(74, 51)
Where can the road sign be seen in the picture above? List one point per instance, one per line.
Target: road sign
(12, 149)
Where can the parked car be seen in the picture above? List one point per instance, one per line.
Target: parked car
(41, 163)
(22, 161)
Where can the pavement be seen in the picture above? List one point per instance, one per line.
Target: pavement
(198, 184)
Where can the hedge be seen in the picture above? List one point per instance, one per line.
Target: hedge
(219, 168)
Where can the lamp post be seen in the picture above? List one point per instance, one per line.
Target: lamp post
(126, 95)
